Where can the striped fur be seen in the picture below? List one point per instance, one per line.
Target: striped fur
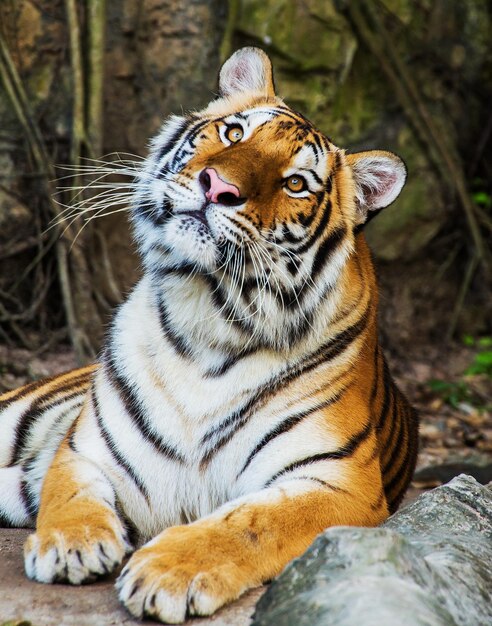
(242, 402)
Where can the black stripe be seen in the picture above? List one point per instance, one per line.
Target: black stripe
(36, 384)
(176, 340)
(29, 499)
(189, 138)
(173, 140)
(235, 420)
(321, 482)
(184, 270)
(149, 210)
(24, 391)
(288, 236)
(375, 506)
(218, 299)
(405, 471)
(306, 220)
(293, 266)
(61, 416)
(329, 184)
(375, 380)
(5, 521)
(393, 498)
(387, 397)
(112, 447)
(313, 173)
(35, 410)
(135, 411)
(228, 363)
(132, 532)
(239, 418)
(319, 143)
(341, 453)
(395, 440)
(287, 424)
(71, 437)
(326, 249)
(336, 167)
(164, 212)
(319, 230)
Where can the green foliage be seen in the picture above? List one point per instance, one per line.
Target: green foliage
(453, 393)
(481, 193)
(456, 392)
(482, 198)
(482, 362)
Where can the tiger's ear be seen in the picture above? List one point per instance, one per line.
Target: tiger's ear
(247, 70)
(379, 177)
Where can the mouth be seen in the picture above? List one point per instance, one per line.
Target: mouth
(200, 216)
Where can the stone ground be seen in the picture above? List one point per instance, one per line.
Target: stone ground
(91, 605)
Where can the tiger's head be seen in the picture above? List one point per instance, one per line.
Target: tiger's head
(249, 194)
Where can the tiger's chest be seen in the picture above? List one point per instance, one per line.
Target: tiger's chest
(175, 435)
(174, 442)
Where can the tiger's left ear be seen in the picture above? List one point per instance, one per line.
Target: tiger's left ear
(247, 70)
(379, 177)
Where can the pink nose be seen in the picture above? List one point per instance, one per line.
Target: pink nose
(214, 186)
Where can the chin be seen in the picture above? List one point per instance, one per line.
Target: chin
(190, 241)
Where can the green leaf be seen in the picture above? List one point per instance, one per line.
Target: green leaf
(484, 358)
(482, 198)
(439, 385)
(485, 342)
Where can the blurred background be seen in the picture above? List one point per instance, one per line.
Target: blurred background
(80, 79)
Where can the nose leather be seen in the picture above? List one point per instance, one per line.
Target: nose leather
(218, 186)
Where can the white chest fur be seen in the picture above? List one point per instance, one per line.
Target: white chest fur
(184, 435)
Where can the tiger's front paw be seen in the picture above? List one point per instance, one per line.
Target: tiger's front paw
(75, 554)
(185, 571)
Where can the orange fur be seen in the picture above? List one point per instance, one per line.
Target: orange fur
(373, 428)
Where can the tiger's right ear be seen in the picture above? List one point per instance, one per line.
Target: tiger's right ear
(379, 177)
(247, 70)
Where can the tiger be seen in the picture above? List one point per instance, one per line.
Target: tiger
(241, 403)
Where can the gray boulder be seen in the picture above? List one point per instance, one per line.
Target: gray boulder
(430, 564)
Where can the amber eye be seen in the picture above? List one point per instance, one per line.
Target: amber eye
(295, 183)
(234, 134)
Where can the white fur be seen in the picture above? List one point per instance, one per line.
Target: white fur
(378, 180)
(10, 497)
(10, 418)
(244, 71)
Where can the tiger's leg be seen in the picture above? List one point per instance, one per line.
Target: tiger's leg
(197, 568)
(79, 535)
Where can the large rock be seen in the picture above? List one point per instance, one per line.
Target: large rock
(428, 565)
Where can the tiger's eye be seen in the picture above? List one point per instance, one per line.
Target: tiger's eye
(296, 183)
(234, 134)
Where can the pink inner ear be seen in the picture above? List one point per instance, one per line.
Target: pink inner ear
(241, 72)
(383, 187)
